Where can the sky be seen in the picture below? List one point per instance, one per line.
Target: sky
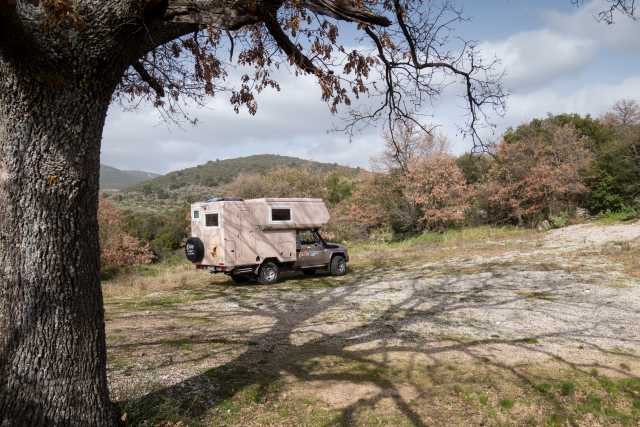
(556, 57)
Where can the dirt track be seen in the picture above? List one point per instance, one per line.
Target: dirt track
(378, 342)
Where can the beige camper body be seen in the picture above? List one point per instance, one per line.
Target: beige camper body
(237, 233)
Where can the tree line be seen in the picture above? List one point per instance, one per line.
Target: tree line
(544, 173)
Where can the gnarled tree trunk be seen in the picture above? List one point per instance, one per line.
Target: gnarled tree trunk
(52, 336)
(60, 62)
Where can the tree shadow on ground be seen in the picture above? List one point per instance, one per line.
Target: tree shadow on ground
(366, 353)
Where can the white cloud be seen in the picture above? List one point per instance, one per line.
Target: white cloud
(537, 57)
(583, 23)
(594, 100)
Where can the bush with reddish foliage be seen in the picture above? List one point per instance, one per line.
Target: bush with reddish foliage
(439, 190)
(117, 248)
(539, 177)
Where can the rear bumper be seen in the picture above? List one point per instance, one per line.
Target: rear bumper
(213, 268)
(245, 269)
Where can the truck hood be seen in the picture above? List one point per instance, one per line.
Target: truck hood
(331, 245)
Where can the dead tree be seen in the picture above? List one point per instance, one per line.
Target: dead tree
(61, 64)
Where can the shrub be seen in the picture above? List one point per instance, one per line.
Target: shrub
(118, 248)
(439, 190)
(538, 177)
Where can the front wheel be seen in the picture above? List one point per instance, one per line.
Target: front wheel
(338, 266)
(269, 273)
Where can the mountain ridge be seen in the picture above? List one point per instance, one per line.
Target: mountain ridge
(112, 178)
(218, 172)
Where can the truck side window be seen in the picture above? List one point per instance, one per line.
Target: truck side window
(280, 214)
(306, 237)
(211, 220)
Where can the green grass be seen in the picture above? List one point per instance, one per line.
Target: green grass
(567, 388)
(619, 216)
(459, 235)
(507, 404)
(149, 270)
(244, 396)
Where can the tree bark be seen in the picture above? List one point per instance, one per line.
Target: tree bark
(59, 65)
(52, 336)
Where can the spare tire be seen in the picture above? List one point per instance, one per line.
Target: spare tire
(194, 249)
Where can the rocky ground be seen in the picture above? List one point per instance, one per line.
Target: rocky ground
(498, 328)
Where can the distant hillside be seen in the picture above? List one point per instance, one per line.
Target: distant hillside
(219, 172)
(115, 179)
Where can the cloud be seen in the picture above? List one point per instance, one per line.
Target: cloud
(534, 58)
(583, 23)
(594, 100)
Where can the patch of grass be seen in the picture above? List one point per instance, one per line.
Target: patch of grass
(531, 341)
(506, 404)
(538, 295)
(162, 411)
(483, 399)
(619, 216)
(627, 254)
(543, 387)
(592, 404)
(567, 388)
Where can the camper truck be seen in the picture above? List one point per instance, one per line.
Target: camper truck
(260, 238)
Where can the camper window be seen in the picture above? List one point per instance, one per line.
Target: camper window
(280, 214)
(211, 220)
(196, 214)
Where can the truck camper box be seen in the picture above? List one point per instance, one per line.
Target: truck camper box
(245, 232)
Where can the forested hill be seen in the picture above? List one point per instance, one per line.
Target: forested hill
(116, 179)
(218, 172)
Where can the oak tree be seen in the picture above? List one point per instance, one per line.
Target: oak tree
(62, 62)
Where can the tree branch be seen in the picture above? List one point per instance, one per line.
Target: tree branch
(149, 79)
(234, 15)
(345, 11)
(295, 55)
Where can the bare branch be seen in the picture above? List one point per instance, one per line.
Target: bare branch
(295, 55)
(150, 80)
(607, 15)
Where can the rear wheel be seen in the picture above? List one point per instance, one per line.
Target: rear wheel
(269, 273)
(338, 266)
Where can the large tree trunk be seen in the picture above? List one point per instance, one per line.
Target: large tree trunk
(52, 336)
(59, 64)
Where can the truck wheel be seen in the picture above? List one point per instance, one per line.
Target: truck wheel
(239, 279)
(269, 273)
(338, 266)
(194, 249)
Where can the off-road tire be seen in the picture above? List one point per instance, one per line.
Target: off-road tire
(194, 250)
(269, 273)
(239, 279)
(338, 266)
